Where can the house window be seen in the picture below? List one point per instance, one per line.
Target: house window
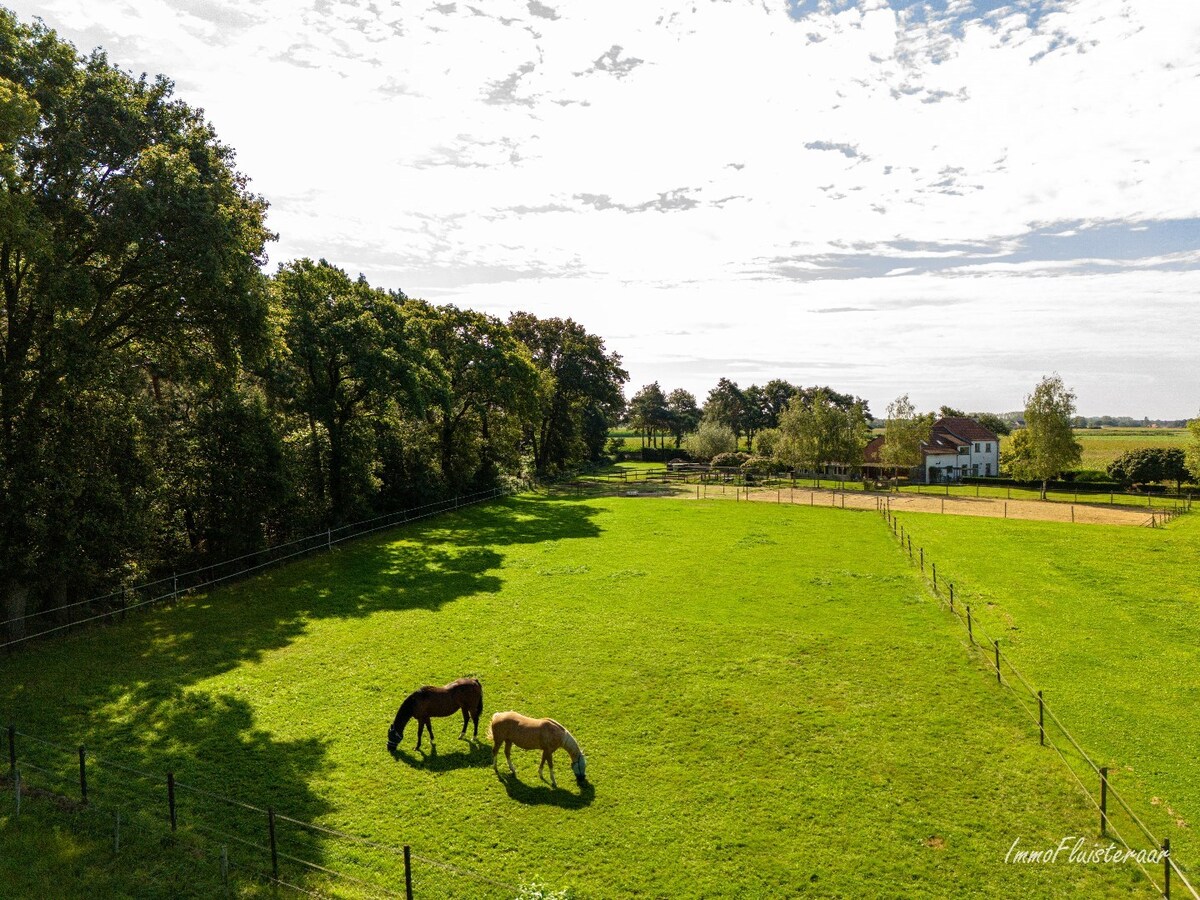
(988, 448)
(975, 470)
(987, 469)
(963, 451)
(977, 446)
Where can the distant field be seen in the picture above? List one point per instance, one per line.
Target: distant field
(771, 703)
(1106, 621)
(1103, 445)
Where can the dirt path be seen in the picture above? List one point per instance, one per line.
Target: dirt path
(1039, 510)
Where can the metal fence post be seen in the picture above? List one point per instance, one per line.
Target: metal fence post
(171, 797)
(83, 775)
(952, 596)
(970, 633)
(408, 873)
(12, 751)
(996, 643)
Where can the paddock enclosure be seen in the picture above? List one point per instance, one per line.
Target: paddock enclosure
(772, 702)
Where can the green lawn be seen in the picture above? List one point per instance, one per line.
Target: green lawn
(771, 704)
(1104, 620)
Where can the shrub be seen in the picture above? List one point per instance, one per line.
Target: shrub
(711, 439)
(729, 460)
(759, 465)
(767, 441)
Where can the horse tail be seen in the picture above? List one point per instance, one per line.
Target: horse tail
(479, 705)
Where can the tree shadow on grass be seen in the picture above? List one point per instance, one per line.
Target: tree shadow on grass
(470, 755)
(542, 794)
(134, 692)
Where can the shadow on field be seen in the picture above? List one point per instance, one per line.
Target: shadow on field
(541, 794)
(467, 755)
(134, 693)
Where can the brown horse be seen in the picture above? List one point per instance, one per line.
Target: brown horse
(510, 728)
(465, 694)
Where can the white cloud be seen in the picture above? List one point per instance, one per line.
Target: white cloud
(725, 162)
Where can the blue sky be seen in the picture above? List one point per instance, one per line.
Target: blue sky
(948, 199)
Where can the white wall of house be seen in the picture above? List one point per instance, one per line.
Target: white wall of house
(981, 458)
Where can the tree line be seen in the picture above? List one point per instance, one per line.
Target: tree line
(163, 402)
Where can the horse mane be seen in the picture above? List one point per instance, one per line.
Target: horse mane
(406, 708)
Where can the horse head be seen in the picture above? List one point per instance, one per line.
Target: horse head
(579, 767)
(396, 731)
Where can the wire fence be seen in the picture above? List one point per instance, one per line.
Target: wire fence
(1152, 855)
(114, 606)
(225, 838)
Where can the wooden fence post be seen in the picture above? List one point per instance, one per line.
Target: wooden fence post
(274, 849)
(934, 565)
(997, 645)
(922, 559)
(952, 596)
(1103, 800)
(1167, 868)
(1041, 719)
(970, 633)
(171, 797)
(408, 873)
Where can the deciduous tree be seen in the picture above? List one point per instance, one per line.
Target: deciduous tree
(1046, 445)
(905, 432)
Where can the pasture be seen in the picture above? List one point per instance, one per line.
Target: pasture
(1104, 620)
(770, 702)
(1102, 446)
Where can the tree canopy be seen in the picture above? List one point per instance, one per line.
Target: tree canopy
(817, 431)
(904, 434)
(1046, 445)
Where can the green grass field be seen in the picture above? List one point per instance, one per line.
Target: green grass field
(770, 701)
(1104, 620)
(1102, 446)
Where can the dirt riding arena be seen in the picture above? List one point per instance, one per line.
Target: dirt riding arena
(1039, 510)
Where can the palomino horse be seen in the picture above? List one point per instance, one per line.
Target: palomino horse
(510, 728)
(465, 694)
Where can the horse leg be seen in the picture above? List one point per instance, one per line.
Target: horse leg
(508, 756)
(420, 731)
(429, 728)
(496, 755)
(466, 716)
(548, 757)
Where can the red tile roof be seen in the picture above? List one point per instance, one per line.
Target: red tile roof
(965, 428)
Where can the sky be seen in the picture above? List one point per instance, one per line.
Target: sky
(944, 198)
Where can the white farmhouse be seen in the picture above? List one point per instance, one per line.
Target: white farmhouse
(959, 447)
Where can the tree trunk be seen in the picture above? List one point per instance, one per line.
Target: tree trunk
(16, 601)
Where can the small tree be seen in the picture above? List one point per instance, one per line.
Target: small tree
(1149, 465)
(1193, 450)
(993, 423)
(683, 414)
(711, 439)
(1046, 445)
(904, 434)
(821, 432)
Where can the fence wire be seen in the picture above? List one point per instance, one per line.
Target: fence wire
(981, 641)
(186, 582)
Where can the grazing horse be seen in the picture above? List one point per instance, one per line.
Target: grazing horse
(465, 694)
(510, 728)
